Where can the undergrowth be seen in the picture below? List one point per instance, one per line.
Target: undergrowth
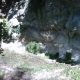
(33, 47)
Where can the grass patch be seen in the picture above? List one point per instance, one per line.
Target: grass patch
(74, 73)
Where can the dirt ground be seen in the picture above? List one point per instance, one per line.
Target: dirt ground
(14, 66)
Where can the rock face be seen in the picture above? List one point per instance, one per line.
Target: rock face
(53, 23)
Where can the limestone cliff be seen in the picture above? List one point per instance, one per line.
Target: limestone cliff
(53, 23)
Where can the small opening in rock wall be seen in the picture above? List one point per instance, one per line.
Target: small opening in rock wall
(51, 56)
(68, 58)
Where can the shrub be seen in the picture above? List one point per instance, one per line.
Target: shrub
(6, 24)
(7, 30)
(33, 47)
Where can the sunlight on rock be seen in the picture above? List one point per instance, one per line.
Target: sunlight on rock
(16, 46)
(15, 35)
(14, 22)
(41, 55)
(1, 20)
(75, 57)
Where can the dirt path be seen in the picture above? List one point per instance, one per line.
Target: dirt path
(29, 67)
(16, 64)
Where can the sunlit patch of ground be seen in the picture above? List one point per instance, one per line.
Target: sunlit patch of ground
(15, 66)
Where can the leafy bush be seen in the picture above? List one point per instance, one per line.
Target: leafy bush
(7, 30)
(33, 47)
(6, 24)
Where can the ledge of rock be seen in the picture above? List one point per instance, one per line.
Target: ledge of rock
(53, 23)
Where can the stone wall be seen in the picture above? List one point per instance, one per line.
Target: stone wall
(53, 23)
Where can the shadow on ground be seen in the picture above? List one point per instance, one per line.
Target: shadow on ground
(19, 74)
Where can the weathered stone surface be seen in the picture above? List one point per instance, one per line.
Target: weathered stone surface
(53, 23)
(73, 23)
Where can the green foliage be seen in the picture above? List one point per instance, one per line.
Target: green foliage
(74, 73)
(17, 29)
(33, 47)
(7, 29)
(6, 24)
